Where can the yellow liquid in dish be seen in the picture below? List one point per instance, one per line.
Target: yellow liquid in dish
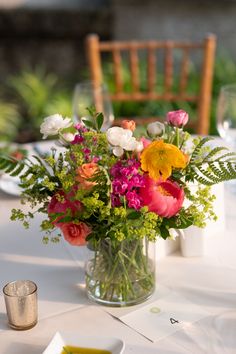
(77, 350)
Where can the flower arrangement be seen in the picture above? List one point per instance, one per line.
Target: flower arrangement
(111, 188)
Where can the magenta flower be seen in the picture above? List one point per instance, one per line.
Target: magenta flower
(163, 198)
(78, 139)
(120, 186)
(115, 201)
(96, 159)
(81, 128)
(126, 182)
(133, 200)
(177, 118)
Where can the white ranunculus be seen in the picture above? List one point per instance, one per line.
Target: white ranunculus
(123, 138)
(118, 151)
(53, 124)
(139, 146)
(156, 129)
(68, 137)
(115, 134)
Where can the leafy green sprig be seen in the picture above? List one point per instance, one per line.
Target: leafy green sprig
(210, 166)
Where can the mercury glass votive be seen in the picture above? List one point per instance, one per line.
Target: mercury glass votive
(21, 304)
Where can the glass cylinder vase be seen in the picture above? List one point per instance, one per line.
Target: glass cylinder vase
(121, 273)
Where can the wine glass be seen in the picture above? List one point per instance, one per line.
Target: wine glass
(226, 115)
(90, 95)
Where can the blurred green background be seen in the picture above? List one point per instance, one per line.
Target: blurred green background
(29, 96)
(42, 53)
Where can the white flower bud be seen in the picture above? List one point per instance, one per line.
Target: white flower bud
(68, 137)
(155, 129)
(139, 146)
(118, 151)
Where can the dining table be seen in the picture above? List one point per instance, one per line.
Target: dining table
(208, 281)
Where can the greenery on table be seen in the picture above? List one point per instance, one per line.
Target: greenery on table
(31, 95)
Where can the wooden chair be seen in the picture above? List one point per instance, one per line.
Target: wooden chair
(117, 49)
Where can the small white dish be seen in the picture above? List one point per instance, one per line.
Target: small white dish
(60, 340)
(10, 185)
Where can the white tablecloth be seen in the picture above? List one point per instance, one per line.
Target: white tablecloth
(57, 269)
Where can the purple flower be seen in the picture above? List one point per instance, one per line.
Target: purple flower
(95, 159)
(137, 181)
(115, 201)
(81, 128)
(133, 200)
(78, 139)
(86, 151)
(126, 181)
(125, 171)
(115, 170)
(119, 186)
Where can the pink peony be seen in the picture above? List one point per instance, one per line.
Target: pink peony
(60, 203)
(75, 234)
(165, 198)
(177, 118)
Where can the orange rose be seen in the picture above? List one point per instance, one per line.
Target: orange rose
(85, 172)
(128, 124)
(75, 234)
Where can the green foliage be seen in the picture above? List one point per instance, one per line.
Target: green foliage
(32, 95)
(9, 120)
(10, 165)
(95, 121)
(211, 167)
(34, 90)
(201, 204)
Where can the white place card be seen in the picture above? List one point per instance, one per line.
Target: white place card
(163, 317)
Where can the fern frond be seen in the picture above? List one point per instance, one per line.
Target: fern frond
(197, 150)
(229, 154)
(212, 167)
(11, 166)
(17, 171)
(214, 172)
(214, 152)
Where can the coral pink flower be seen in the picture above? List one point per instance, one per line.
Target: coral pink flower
(85, 172)
(128, 124)
(165, 198)
(75, 234)
(145, 141)
(60, 203)
(177, 118)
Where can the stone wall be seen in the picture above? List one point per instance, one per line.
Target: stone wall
(172, 19)
(35, 32)
(53, 38)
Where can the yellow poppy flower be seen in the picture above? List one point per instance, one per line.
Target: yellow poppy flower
(159, 158)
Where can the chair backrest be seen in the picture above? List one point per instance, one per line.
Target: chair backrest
(117, 49)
